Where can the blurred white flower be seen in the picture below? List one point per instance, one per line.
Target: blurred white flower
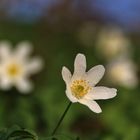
(16, 66)
(80, 87)
(112, 42)
(122, 72)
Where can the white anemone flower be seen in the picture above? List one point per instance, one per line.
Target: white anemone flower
(122, 72)
(80, 87)
(16, 66)
(112, 43)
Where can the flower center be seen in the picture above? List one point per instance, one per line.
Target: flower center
(13, 70)
(80, 88)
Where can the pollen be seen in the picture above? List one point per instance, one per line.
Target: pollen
(13, 70)
(80, 88)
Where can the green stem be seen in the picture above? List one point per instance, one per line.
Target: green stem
(61, 119)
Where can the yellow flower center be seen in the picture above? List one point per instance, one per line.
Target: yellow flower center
(80, 88)
(13, 70)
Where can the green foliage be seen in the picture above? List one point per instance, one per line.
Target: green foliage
(40, 111)
(17, 133)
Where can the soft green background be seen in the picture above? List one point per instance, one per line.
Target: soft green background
(41, 109)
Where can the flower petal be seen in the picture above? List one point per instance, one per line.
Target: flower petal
(79, 65)
(95, 74)
(34, 65)
(23, 50)
(5, 49)
(66, 75)
(24, 85)
(70, 96)
(101, 93)
(92, 105)
(5, 83)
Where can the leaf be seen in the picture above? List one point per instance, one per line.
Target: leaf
(17, 133)
(22, 134)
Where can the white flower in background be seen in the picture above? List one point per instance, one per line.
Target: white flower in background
(122, 72)
(16, 66)
(80, 87)
(112, 42)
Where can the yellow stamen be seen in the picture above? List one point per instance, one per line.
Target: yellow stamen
(13, 70)
(80, 88)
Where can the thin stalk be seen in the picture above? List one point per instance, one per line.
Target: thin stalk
(61, 119)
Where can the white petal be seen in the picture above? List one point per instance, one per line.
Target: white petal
(92, 105)
(5, 83)
(70, 96)
(101, 93)
(23, 50)
(5, 49)
(34, 65)
(95, 74)
(79, 65)
(66, 75)
(24, 85)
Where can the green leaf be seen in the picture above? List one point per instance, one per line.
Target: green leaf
(22, 134)
(17, 133)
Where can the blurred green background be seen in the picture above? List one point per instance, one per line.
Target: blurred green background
(58, 31)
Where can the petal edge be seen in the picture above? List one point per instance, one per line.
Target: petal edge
(95, 74)
(92, 105)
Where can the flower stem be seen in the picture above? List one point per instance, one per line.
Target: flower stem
(61, 119)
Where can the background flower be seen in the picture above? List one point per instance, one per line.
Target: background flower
(112, 42)
(16, 66)
(122, 72)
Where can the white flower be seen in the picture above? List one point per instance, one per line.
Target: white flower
(80, 87)
(122, 72)
(112, 42)
(16, 67)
